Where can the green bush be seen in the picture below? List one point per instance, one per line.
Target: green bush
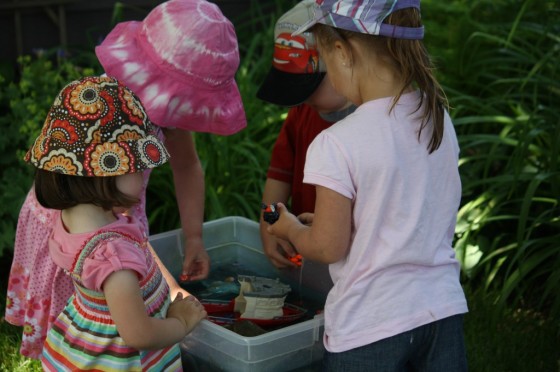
(504, 91)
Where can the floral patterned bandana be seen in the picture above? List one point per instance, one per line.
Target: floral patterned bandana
(97, 128)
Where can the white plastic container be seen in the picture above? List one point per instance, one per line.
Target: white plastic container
(210, 347)
(294, 347)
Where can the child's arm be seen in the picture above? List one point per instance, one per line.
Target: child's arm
(137, 329)
(188, 178)
(328, 239)
(277, 250)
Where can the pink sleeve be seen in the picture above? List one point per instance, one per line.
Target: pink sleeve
(329, 166)
(112, 256)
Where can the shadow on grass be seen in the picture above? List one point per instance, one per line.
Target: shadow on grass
(516, 340)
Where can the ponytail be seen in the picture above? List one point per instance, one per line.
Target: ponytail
(415, 66)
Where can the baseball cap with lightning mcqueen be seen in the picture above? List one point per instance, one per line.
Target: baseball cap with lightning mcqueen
(296, 68)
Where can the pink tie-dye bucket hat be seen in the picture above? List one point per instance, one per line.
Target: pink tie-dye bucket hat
(181, 61)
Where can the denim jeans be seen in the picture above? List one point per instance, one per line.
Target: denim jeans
(434, 347)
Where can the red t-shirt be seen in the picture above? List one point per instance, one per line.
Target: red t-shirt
(287, 161)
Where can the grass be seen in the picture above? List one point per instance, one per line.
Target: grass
(12, 361)
(511, 340)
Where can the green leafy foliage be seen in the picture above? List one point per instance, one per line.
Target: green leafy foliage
(504, 89)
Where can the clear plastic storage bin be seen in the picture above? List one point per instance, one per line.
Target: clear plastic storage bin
(235, 241)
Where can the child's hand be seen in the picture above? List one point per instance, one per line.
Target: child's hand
(188, 310)
(279, 252)
(285, 222)
(196, 264)
(306, 218)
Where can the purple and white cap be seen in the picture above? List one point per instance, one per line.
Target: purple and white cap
(364, 16)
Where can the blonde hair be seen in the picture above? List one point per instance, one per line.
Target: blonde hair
(410, 59)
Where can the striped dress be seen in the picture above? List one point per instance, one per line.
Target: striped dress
(38, 289)
(84, 337)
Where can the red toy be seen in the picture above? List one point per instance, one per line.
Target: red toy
(296, 259)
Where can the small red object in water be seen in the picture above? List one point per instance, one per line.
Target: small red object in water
(184, 277)
(296, 259)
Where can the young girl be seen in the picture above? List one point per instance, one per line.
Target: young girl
(90, 155)
(388, 191)
(181, 61)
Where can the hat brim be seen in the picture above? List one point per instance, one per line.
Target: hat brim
(287, 89)
(169, 99)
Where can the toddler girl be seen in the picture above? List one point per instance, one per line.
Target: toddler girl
(96, 142)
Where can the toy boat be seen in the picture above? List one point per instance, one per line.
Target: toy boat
(260, 300)
(222, 313)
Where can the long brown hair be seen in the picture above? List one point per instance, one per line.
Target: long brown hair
(60, 191)
(410, 59)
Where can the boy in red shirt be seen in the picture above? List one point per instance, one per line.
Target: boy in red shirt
(296, 80)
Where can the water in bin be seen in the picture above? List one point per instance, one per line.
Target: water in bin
(222, 284)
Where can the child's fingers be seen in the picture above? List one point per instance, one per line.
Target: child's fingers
(306, 218)
(192, 299)
(280, 206)
(287, 248)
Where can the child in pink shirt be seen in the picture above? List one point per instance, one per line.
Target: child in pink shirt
(388, 190)
(90, 155)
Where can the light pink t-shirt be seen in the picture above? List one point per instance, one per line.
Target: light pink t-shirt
(111, 256)
(400, 272)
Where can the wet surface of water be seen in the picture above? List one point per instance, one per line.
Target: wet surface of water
(222, 284)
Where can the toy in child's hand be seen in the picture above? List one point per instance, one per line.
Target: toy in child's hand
(296, 259)
(270, 213)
